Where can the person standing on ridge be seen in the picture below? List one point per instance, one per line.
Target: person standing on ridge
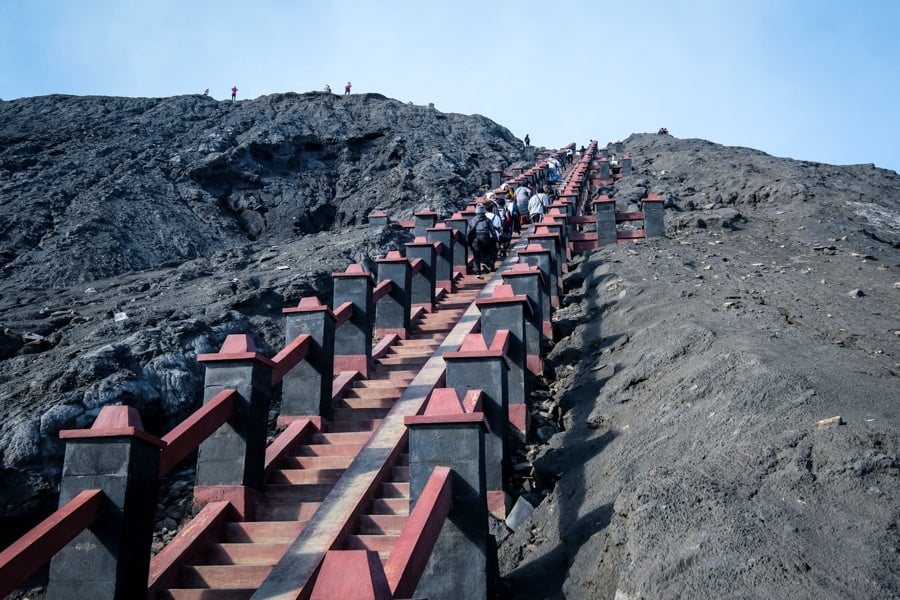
(233, 93)
(327, 89)
(527, 140)
(347, 88)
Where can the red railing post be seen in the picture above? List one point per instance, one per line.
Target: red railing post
(443, 237)
(423, 288)
(460, 225)
(392, 311)
(353, 339)
(446, 436)
(477, 366)
(306, 389)
(506, 311)
(526, 280)
(110, 559)
(423, 220)
(652, 207)
(231, 462)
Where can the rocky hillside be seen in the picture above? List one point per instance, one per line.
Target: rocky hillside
(728, 394)
(137, 232)
(725, 397)
(95, 187)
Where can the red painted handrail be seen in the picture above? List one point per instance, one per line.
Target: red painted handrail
(342, 314)
(188, 435)
(416, 265)
(27, 554)
(407, 562)
(290, 356)
(382, 289)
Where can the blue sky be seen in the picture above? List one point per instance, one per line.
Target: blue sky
(807, 79)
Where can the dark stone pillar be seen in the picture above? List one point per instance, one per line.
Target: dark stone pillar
(654, 225)
(505, 310)
(551, 243)
(476, 367)
(423, 280)
(605, 215)
(423, 220)
(555, 223)
(392, 311)
(604, 169)
(536, 256)
(111, 559)
(571, 201)
(460, 225)
(306, 389)
(457, 567)
(442, 237)
(353, 339)
(496, 175)
(525, 279)
(378, 218)
(231, 462)
(626, 165)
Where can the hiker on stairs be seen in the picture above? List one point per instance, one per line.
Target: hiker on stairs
(482, 238)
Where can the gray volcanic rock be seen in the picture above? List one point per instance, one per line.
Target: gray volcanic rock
(722, 417)
(729, 410)
(96, 186)
(136, 233)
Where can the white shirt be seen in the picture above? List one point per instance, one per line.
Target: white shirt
(536, 205)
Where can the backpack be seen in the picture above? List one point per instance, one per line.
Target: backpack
(481, 229)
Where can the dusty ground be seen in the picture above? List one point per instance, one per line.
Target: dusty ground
(691, 373)
(696, 374)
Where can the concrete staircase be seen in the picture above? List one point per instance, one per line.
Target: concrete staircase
(235, 563)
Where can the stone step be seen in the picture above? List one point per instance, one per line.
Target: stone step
(339, 438)
(372, 399)
(414, 344)
(389, 506)
(206, 594)
(285, 511)
(239, 577)
(400, 473)
(401, 376)
(418, 359)
(382, 384)
(246, 554)
(350, 450)
(289, 493)
(395, 489)
(382, 544)
(378, 524)
(359, 414)
(315, 462)
(265, 532)
(304, 476)
(369, 425)
(412, 366)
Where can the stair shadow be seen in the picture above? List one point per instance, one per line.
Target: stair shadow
(543, 578)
